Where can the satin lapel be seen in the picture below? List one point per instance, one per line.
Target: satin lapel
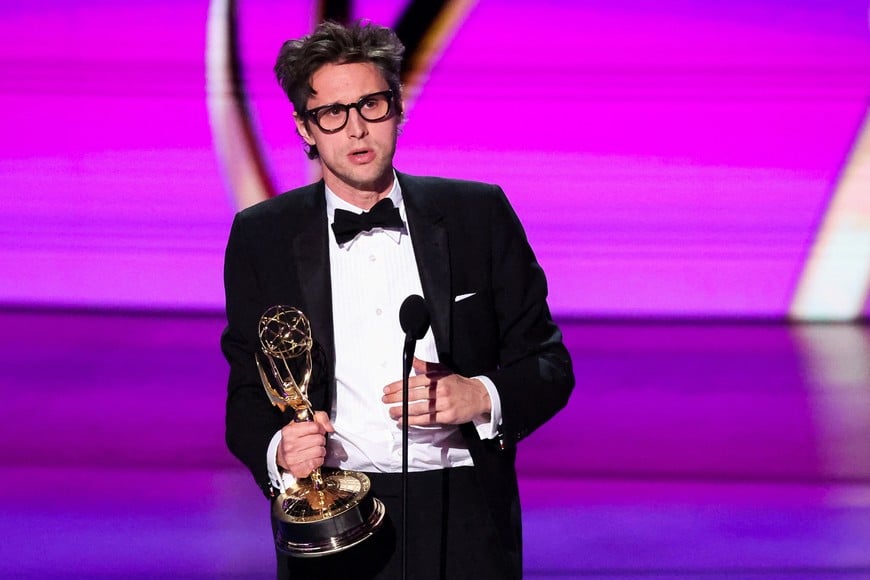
(429, 236)
(311, 252)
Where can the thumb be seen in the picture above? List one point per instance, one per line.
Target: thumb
(323, 419)
(429, 368)
(421, 366)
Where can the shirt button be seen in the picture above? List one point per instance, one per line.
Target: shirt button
(372, 258)
(378, 311)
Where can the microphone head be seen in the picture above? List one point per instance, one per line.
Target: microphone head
(414, 317)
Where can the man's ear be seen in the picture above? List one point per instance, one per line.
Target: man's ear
(302, 129)
(401, 114)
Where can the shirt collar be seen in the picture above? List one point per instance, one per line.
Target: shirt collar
(334, 202)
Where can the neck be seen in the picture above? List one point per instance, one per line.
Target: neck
(363, 196)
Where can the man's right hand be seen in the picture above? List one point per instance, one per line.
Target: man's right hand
(303, 445)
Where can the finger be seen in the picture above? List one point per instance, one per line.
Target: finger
(424, 392)
(413, 381)
(392, 388)
(298, 454)
(316, 455)
(426, 419)
(312, 456)
(433, 417)
(425, 404)
(424, 407)
(292, 431)
(394, 395)
(304, 469)
(418, 393)
(308, 445)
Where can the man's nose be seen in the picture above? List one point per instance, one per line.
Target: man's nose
(356, 125)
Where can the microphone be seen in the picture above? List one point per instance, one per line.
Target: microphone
(414, 319)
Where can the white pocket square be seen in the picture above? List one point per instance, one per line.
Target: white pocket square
(462, 297)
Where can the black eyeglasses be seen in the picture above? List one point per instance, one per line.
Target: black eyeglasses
(332, 118)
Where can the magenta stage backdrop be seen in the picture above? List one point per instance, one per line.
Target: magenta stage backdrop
(669, 158)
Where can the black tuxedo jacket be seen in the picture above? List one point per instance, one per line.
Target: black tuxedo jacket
(467, 240)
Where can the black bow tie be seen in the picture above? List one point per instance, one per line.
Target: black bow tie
(347, 224)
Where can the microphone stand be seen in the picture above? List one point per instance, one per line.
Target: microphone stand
(407, 361)
(414, 319)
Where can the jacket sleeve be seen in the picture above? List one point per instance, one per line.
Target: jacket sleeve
(251, 419)
(534, 377)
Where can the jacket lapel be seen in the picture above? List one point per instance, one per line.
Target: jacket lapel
(429, 235)
(311, 251)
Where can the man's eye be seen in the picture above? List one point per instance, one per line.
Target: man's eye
(335, 111)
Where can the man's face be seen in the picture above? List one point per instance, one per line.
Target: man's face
(357, 160)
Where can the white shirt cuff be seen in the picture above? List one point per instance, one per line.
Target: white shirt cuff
(488, 429)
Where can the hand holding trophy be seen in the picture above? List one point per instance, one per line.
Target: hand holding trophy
(330, 510)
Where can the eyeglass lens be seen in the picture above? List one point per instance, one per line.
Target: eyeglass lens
(331, 118)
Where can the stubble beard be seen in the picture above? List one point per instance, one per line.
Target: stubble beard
(360, 180)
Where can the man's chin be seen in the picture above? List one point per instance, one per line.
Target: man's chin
(375, 177)
(378, 183)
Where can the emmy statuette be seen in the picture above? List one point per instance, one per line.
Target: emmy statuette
(331, 509)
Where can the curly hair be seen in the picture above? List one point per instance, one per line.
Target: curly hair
(333, 43)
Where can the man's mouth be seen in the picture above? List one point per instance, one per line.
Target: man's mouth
(362, 155)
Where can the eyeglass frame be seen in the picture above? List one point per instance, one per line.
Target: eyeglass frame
(312, 113)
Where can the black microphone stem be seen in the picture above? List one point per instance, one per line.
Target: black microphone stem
(414, 319)
(407, 360)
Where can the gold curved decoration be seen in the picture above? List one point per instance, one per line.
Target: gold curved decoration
(237, 144)
(438, 33)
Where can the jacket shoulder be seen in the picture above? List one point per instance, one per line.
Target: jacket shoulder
(447, 186)
(290, 202)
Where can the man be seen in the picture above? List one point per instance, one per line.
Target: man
(491, 369)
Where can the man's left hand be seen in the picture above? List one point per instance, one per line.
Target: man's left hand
(437, 396)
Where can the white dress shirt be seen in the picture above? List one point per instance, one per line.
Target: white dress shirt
(372, 275)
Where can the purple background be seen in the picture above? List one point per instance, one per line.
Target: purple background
(703, 451)
(668, 158)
